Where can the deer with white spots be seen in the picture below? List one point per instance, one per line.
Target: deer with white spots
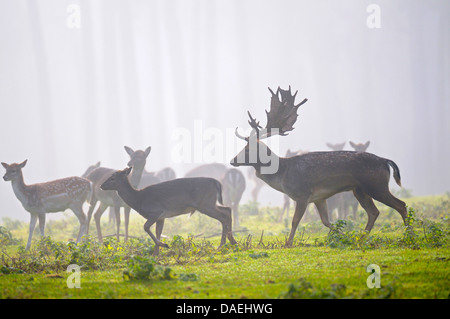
(50, 197)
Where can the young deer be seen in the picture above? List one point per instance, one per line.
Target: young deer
(50, 197)
(315, 176)
(110, 198)
(172, 198)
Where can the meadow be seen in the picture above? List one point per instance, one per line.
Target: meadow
(413, 261)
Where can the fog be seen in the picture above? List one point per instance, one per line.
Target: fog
(81, 79)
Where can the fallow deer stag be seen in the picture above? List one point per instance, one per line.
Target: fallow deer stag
(315, 176)
(50, 197)
(172, 198)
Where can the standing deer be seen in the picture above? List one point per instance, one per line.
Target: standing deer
(315, 176)
(50, 197)
(110, 198)
(172, 198)
(233, 186)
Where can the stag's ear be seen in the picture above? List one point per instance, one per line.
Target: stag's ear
(22, 165)
(147, 151)
(129, 150)
(5, 165)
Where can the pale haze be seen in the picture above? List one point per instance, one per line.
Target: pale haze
(79, 80)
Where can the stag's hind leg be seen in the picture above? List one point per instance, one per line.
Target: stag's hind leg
(367, 203)
(390, 200)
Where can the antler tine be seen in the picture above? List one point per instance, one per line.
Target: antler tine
(239, 135)
(253, 122)
(282, 114)
(301, 103)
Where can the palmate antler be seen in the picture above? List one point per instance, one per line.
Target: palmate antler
(280, 118)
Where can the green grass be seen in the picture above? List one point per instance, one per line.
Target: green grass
(414, 263)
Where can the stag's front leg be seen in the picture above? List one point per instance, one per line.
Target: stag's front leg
(300, 208)
(33, 220)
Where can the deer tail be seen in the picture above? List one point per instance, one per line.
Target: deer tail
(396, 172)
(219, 192)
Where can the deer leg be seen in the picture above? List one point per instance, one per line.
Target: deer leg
(147, 226)
(78, 211)
(227, 229)
(90, 211)
(158, 230)
(117, 216)
(367, 203)
(126, 214)
(98, 214)
(33, 220)
(300, 208)
(235, 214)
(323, 212)
(42, 224)
(390, 200)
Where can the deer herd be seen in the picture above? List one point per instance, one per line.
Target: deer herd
(330, 180)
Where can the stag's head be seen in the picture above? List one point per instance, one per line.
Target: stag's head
(116, 179)
(13, 170)
(280, 120)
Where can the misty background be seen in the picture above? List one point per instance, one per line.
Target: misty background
(137, 73)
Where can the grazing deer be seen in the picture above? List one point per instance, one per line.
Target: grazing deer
(50, 197)
(172, 198)
(165, 174)
(212, 170)
(110, 198)
(233, 186)
(315, 176)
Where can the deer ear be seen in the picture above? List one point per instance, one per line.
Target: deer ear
(22, 165)
(98, 164)
(352, 144)
(5, 165)
(367, 144)
(129, 150)
(127, 170)
(147, 151)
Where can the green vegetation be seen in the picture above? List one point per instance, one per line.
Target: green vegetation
(414, 261)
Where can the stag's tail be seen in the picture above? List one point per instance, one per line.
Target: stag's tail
(396, 172)
(219, 192)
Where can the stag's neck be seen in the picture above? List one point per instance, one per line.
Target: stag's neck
(21, 190)
(275, 180)
(128, 194)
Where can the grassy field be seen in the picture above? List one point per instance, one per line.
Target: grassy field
(413, 262)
